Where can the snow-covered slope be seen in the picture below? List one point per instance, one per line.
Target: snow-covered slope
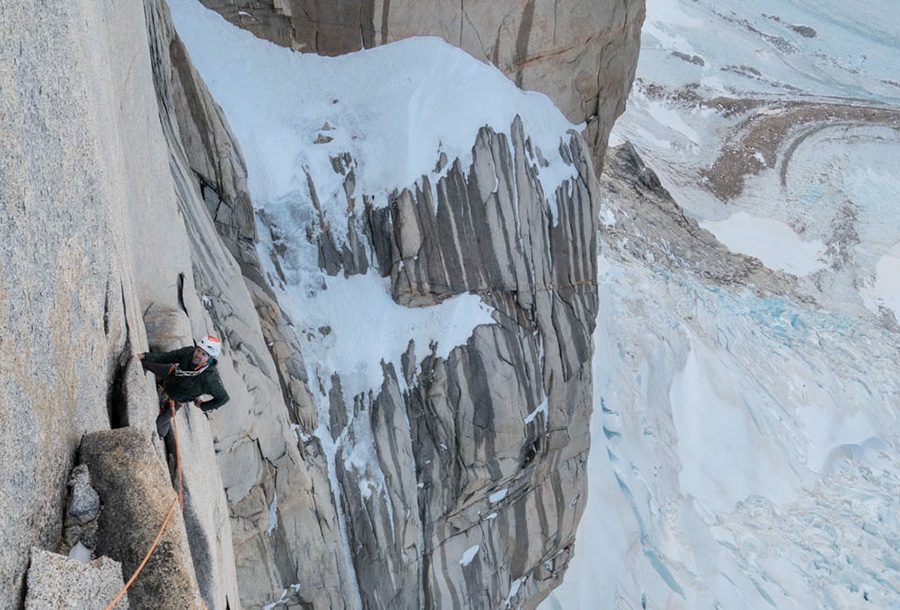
(394, 110)
(745, 438)
(778, 125)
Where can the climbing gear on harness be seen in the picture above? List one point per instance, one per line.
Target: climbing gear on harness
(180, 373)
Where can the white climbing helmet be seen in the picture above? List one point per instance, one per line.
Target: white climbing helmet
(210, 345)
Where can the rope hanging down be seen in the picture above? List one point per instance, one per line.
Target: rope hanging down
(178, 501)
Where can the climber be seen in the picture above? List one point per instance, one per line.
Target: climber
(187, 375)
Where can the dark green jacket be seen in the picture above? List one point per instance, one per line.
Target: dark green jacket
(185, 388)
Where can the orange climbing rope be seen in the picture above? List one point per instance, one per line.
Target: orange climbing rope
(177, 501)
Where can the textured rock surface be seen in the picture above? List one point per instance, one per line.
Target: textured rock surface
(136, 494)
(89, 241)
(483, 451)
(76, 152)
(123, 188)
(84, 503)
(294, 538)
(83, 508)
(581, 54)
(56, 582)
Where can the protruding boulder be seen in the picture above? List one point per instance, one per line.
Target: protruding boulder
(136, 494)
(167, 328)
(81, 513)
(56, 582)
(84, 503)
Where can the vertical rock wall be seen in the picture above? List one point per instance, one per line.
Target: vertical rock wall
(477, 482)
(78, 153)
(283, 522)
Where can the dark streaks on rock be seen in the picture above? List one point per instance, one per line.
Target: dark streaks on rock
(489, 229)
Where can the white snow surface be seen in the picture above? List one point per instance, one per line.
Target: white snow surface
(745, 448)
(514, 590)
(771, 241)
(365, 327)
(273, 513)
(80, 552)
(394, 108)
(886, 289)
(498, 495)
(744, 454)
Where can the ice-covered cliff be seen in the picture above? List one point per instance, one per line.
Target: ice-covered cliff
(443, 301)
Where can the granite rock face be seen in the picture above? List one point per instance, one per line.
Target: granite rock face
(77, 160)
(582, 55)
(129, 227)
(136, 499)
(59, 583)
(475, 481)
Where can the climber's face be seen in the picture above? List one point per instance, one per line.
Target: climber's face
(200, 357)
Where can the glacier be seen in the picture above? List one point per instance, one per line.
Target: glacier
(744, 442)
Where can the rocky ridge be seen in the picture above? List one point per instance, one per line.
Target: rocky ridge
(492, 459)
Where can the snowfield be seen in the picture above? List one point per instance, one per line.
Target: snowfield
(745, 447)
